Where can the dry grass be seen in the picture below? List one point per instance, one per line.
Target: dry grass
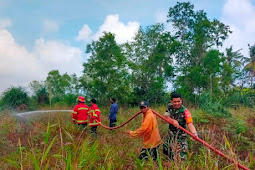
(50, 140)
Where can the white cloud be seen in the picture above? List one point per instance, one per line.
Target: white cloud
(123, 32)
(58, 55)
(14, 57)
(50, 26)
(19, 66)
(239, 15)
(84, 34)
(5, 23)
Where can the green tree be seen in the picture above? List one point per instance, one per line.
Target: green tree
(250, 66)
(53, 82)
(42, 96)
(85, 84)
(231, 68)
(75, 85)
(233, 58)
(34, 86)
(197, 35)
(212, 68)
(61, 86)
(13, 97)
(201, 78)
(150, 59)
(39, 92)
(107, 69)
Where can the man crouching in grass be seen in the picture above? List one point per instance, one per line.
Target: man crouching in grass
(149, 132)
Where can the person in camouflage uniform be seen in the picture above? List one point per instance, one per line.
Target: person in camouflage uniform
(175, 146)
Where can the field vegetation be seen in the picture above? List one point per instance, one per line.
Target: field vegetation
(51, 141)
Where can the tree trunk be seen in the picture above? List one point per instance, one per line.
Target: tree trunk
(210, 87)
(251, 73)
(50, 95)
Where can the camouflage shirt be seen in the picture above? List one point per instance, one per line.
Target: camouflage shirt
(183, 117)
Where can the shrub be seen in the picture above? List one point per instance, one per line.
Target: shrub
(14, 97)
(214, 106)
(70, 99)
(246, 97)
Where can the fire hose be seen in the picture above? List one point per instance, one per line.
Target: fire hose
(106, 127)
(204, 143)
(186, 131)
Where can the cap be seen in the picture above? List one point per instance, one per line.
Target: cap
(143, 104)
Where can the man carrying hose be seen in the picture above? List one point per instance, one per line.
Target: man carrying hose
(149, 132)
(176, 142)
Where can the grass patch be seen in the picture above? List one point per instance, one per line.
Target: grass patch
(51, 140)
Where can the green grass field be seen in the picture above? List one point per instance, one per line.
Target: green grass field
(51, 141)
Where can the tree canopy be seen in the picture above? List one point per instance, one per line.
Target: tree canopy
(188, 57)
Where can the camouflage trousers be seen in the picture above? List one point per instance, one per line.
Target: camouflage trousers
(176, 146)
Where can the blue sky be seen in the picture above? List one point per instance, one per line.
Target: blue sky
(39, 36)
(28, 16)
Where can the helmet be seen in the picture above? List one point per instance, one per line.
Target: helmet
(81, 99)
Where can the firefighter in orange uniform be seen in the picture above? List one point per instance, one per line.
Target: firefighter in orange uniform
(80, 113)
(94, 113)
(149, 132)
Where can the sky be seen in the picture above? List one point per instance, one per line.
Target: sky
(37, 37)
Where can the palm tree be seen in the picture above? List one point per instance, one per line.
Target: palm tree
(250, 67)
(234, 60)
(233, 57)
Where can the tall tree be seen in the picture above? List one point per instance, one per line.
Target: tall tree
(212, 68)
(53, 82)
(150, 58)
(250, 66)
(231, 68)
(196, 34)
(107, 69)
(60, 85)
(233, 58)
(74, 87)
(39, 92)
